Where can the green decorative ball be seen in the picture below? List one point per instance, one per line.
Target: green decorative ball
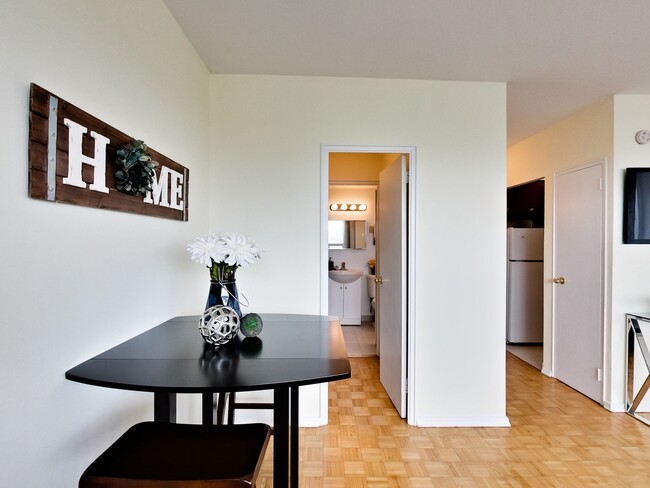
(251, 325)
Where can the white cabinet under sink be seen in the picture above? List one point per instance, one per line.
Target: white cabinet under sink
(345, 301)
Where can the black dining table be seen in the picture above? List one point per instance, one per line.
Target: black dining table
(172, 358)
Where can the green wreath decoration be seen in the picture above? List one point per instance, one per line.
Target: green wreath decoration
(135, 172)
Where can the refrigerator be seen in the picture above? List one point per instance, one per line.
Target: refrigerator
(525, 286)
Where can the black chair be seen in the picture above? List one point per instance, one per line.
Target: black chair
(165, 455)
(227, 402)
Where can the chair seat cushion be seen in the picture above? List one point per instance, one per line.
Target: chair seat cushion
(166, 455)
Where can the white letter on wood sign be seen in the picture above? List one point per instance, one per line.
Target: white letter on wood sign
(176, 197)
(76, 158)
(158, 195)
(160, 185)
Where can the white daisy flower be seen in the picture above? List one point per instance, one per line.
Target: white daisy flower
(219, 250)
(241, 251)
(224, 253)
(201, 250)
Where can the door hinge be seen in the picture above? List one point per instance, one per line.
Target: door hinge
(406, 385)
(600, 184)
(599, 374)
(408, 176)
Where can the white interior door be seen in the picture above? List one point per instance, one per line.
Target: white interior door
(578, 278)
(391, 292)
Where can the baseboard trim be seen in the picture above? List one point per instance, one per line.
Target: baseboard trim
(311, 422)
(615, 407)
(463, 422)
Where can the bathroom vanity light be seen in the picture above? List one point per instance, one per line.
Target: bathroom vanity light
(356, 207)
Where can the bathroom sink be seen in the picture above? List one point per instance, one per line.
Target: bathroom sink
(345, 275)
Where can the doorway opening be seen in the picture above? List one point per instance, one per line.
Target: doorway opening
(525, 272)
(348, 174)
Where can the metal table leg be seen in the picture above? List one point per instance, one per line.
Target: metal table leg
(635, 336)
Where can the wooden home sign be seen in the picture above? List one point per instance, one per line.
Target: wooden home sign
(72, 160)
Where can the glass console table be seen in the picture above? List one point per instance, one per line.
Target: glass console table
(637, 378)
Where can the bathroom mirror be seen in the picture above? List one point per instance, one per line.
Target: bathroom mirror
(346, 234)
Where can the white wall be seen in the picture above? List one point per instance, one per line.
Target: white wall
(266, 136)
(584, 137)
(78, 280)
(631, 262)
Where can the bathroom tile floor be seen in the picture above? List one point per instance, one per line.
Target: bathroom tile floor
(360, 340)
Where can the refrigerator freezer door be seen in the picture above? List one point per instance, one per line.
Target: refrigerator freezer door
(525, 312)
(525, 244)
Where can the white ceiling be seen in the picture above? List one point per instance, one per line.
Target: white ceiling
(557, 56)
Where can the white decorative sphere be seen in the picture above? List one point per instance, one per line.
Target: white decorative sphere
(218, 325)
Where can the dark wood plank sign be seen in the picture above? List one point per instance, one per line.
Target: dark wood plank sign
(72, 160)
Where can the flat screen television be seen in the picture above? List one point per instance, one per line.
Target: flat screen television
(636, 216)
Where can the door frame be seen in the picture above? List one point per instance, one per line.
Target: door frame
(411, 255)
(603, 268)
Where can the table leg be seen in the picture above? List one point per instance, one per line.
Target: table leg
(281, 437)
(221, 407)
(636, 341)
(207, 408)
(293, 443)
(164, 407)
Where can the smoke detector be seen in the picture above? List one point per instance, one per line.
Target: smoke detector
(643, 136)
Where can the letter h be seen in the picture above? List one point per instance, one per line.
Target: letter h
(76, 158)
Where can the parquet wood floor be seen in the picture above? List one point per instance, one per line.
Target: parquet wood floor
(558, 438)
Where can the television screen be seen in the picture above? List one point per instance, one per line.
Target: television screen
(636, 217)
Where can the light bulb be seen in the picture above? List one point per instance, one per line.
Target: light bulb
(363, 207)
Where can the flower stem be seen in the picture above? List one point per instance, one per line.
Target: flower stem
(222, 272)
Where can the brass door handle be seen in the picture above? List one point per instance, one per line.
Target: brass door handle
(379, 280)
(559, 281)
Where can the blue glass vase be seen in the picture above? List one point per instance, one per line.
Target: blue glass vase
(224, 293)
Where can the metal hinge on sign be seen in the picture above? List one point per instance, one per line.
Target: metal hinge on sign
(52, 121)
